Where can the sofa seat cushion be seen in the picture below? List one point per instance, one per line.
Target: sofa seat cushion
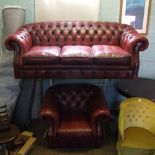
(75, 124)
(42, 55)
(76, 55)
(110, 55)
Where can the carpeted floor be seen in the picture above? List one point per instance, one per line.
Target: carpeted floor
(43, 150)
(40, 147)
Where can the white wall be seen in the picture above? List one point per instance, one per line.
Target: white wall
(64, 10)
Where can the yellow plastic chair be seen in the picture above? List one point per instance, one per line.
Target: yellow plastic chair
(136, 127)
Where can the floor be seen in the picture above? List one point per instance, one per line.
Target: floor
(40, 147)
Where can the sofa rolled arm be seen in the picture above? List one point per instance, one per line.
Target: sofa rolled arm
(99, 114)
(131, 40)
(21, 38)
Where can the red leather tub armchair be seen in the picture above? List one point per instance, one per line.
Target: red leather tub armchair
(76, 50)
(76, 115)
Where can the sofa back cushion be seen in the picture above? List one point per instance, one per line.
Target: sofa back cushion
(75, 33)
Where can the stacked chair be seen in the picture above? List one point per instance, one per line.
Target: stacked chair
(136, 127)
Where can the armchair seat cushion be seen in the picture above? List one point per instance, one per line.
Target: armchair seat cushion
(76, 55)
(74, 124)
(42, 55)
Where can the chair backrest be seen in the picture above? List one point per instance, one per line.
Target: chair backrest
(75, 97)
(137, 112)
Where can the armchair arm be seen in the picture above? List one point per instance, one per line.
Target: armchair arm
(131, 40)
(21, 38)
(50, 113)
(98, 114)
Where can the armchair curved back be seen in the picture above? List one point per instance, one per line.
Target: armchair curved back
(74, 97)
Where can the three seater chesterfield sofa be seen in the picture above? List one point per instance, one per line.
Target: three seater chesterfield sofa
(76, 50)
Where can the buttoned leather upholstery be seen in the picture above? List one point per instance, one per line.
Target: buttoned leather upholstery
(32, 42)
(75, 114)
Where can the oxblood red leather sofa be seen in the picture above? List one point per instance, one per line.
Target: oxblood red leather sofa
(76, 50)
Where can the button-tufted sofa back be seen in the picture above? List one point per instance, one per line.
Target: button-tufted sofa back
(75, 33)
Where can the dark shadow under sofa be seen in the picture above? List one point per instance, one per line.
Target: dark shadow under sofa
(76, 50)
